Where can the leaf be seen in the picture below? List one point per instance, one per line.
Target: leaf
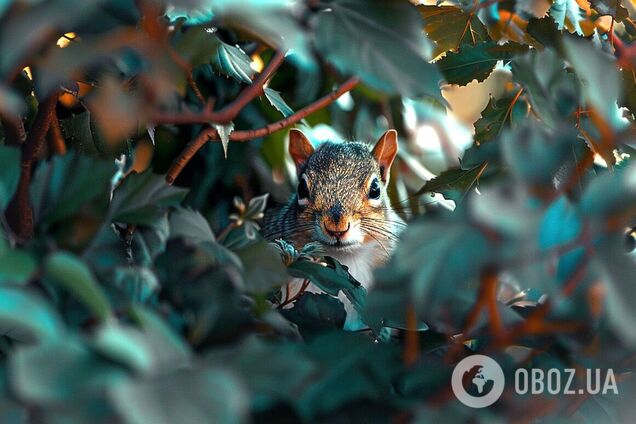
(612, 8)
(570, 10)
(143, 198)
(434, 272)
(553, 92)
(263, 267)
(191, 226)
(332, 278)
(197, 45)
(69, 185)
(233, 62)
(9, 174)
(187, 396)
(505, 112)
(454, 183)
(224, 133)
(16, 265)
(277, 101)
(390, 54)
(27, 315)
(450, 27)
(476, 62)
(535, 154)
(64, 371)
(316, 312)
(599, 78)
(72, 274)
(80, 132)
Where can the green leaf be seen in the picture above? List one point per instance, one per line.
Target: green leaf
(263, 267)
(599, 78)
(332, 278)
(80, 132)
(612, 8)
(316, 312)
(171, 351)
(72, 274)
(570, 10)
(16, 265)
(233, 62)
(391, 52)
(553, 92)
(25, 314)
(143, 198)
(64, 371)
(189, 396)
(9, 174)
(224, 133)
(476, 62)
(277, 101)
(450, 27)
(191, 226)
(69, 185)
(454, 183)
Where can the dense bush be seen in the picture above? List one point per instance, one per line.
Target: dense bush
(134, 283)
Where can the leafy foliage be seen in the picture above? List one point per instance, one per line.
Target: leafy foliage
(138, 140)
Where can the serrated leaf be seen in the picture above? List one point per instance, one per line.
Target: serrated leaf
(278, 102)
(391, 52)
(233, 62)
(476, 62)
(71, 273)
(224, 133)
(454, 183)
(143, 198)
(570, 10)
(450, 27)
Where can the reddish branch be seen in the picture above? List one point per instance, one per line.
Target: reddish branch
(211, 134)
(229, 112)
(411, 338)
(13, 130)
(54, 137)
(19, 211)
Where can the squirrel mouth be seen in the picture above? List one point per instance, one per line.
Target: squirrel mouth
(341, 245)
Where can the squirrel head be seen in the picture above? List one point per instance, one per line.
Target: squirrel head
(341, 195)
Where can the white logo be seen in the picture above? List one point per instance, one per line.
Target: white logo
(478, 381)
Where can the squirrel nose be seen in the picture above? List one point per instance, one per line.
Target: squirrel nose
(337, 232)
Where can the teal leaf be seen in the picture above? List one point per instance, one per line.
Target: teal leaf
(476, 62)
(188, 396)
(191, 226)
(391, 52)
(143, 198)
(570, 10)
(16, 265)
(71, 273)
(27, 315)
(66, 185)
(277, 101)
(263, 268)
(233, 62)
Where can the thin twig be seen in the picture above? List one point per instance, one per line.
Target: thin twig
(230, 111)
(211, 134)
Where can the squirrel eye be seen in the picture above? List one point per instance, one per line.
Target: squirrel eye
(303, 191)
(374, 189)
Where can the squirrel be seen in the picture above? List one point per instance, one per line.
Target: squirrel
(341, 202)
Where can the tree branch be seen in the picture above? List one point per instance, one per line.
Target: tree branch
(210, 134)
(19, 211)
(230, 111)
(13, 130)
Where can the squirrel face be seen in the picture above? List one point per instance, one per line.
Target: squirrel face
(341, 195)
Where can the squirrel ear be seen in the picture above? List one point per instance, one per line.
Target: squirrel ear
(384, 152)
(300, 147)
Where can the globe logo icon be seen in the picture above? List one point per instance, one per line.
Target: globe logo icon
(478, 381)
